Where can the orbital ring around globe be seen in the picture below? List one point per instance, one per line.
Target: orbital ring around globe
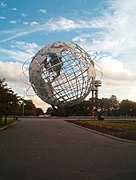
(62, 73)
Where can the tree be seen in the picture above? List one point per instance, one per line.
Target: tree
(38, 111)
(104, 106)
(114, 105)
(2, 95)
(50, 111)
(8, 100)
(83, 109)
(27, 106)
(108, 106)
(127, 108)
(12, 104)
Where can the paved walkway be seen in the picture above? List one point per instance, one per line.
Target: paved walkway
(52, 149)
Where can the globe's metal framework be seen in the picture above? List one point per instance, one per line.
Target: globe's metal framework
(62, 73)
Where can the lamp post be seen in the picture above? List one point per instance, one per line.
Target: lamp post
(96, 84)
(23, 108)
(24, 102)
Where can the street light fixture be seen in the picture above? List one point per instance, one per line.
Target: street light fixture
(23, 101)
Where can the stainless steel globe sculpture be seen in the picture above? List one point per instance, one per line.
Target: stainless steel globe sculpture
(62, 73)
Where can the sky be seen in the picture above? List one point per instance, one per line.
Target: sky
(104, 26)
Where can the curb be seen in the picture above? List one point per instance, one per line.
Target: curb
(103, 134)
(5, 127)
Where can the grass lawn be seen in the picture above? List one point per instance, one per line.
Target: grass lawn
(9, 121)
(120, 128)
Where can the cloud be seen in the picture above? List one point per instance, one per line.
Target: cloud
(13, 71)
(30, 48)
(117, 79)
(24, 15)
(83, 38)
(115, 42)
(64, 24)
(18, 55)
(25, 23)
(44, 11)
(13, 22)
(14, 9)
(10, 71)
(57, 24)
(2, 17)
(39, 103)
(2, 4)
(114, 70)
(19, 51)
(15, 33)
(33, 23)
(112, 35)
(115, 33)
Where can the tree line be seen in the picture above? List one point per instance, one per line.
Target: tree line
(104, 106)
(12, 104)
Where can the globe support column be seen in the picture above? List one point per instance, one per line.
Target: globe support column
(96, 84)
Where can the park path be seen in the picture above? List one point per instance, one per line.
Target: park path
(52, 149)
